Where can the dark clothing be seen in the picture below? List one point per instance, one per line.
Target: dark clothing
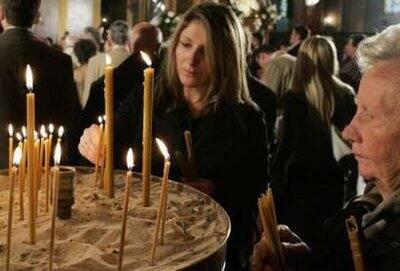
(350, 73)
(295, 50)
(266, 100)
(381, 251)
(230, 150)
(126, 75)
(54, 88)
(307, 181)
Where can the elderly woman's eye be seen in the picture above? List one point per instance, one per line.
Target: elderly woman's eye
(185, 44)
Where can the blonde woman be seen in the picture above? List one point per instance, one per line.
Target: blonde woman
(307, 181)
(203, 89)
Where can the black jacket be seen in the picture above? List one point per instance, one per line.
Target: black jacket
(54, 88)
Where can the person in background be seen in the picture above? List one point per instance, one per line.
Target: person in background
(350, 72)
(262, 55)
(84, 49)
(92, 33)
(255, 41)
(56, 98)
(228, 131)
(297, 35)
(118, 37)
(307, 181)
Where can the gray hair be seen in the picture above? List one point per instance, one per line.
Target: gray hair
(382, 46)
(119, 32)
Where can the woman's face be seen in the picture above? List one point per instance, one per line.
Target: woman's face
(190, 56)
(375, 129)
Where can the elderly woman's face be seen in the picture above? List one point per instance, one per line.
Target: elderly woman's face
(190, 56)
(375, 129)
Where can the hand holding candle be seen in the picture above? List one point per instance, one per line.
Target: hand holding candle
(16, 161)
(56, 170)
(148, 87)
(161, 214)
(130, 164)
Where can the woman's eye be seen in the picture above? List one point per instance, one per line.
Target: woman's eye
(185, 44)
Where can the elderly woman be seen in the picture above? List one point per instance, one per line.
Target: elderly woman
(375, 136)
(203, 89)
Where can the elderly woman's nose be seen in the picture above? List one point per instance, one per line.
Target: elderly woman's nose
(350, 133)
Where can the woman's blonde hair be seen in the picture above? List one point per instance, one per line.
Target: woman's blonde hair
(225, 59)
(314, 73)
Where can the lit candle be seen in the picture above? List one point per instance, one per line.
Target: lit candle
(60, 133)
(20, 182)
(47, 155)
(10, 148)
(162, 209)
(56, 170)
(30, 122)
(130, 164)
(148, 87)
(22, 168)
(99, 150)
(109, 106)
(43, 142)
(16, 160)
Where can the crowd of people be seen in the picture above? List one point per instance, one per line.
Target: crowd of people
(261, 113)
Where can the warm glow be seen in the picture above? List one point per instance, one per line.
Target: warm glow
(10, 130)
(104, 118)
(129, 159)
(24, 131)
(330, 20)
(17, 156)
(43, 133)
(35, 135)
(29, 77)
(146, 58)
(311, 2)
(18, 136)
(163, 148)
(108, 60)
(100, 119)
(57, 154)
(60, 131)
(51, 128)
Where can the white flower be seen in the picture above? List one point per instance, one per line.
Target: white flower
(168, 20)
(170, 14)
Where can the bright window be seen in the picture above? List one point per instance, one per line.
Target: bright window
(392, 6)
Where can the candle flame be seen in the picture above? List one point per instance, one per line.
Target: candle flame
(100, 119)
(146, 58)
(17, 156)
(29, 78)
(18, 136)
(57, 154)
(129, 159)
(23, 129)
(10, 130)
(51, 128)
(108, 60)
(60, 131)
(35, 135)
(163, 148)
(42, 131)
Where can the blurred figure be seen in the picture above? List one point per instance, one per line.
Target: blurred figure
(118, 37)
(297, 35)
(53, 77)
(350, 72)
(145, 37)
(255, 41)
(307, 180)
(92, 33)
(84, 49)
(262, 55)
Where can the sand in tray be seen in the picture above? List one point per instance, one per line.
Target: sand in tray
(196, 227)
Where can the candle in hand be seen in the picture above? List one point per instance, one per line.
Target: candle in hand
(10, 148)
(16, 159)
(148, 87)
(109, 108)
(30, 122)
(130, 165)
(56, 170)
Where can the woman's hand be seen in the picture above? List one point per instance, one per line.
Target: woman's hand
(293, 247)
(88, 144)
